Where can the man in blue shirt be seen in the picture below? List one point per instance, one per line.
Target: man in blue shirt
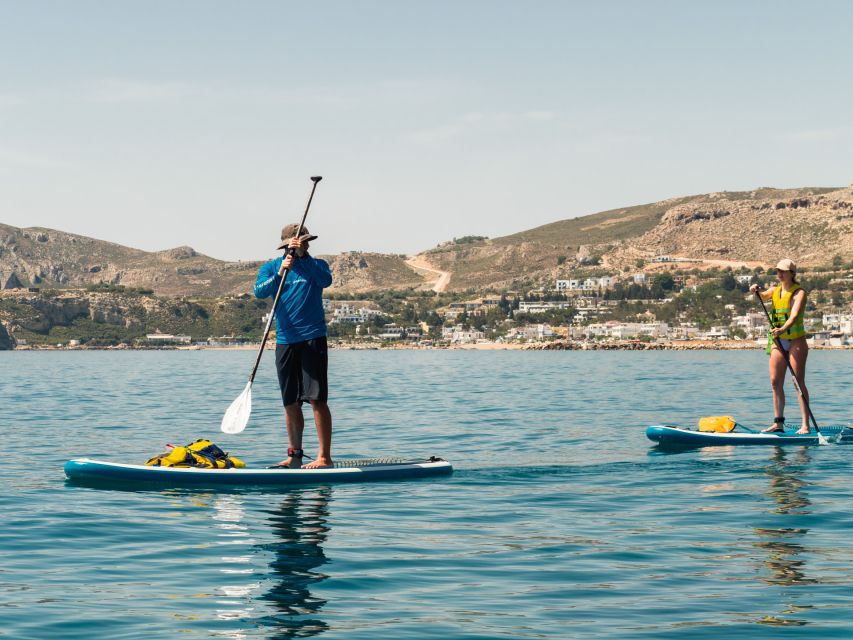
(301, 352)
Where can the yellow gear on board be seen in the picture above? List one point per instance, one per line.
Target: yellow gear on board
(717, 424)
(201, 453)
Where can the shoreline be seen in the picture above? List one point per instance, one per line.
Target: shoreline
(554, 345)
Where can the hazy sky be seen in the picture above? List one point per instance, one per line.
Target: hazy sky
(157, 124)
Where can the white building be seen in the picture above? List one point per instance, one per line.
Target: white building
(567, 285)
(715, 333)
(684, 331)
(840, 322)
(458, 335)
(391, 332)
(531, 332)
(167, 338)
(415, 332)
(625, 330)
(588, 284)
(542, 307)
(349, 313)
(751, 323)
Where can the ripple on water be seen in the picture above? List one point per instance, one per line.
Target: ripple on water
(560, 519)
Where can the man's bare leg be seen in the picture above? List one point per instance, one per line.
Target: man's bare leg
(295, 422)
(323, 421)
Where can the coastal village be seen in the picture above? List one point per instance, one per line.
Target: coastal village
(592, 312)
(591, 322)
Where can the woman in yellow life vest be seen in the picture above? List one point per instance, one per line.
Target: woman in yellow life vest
(789, 305)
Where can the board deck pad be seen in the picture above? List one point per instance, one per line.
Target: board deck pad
(371, 462)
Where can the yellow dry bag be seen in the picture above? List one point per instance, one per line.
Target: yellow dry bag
(717, 424)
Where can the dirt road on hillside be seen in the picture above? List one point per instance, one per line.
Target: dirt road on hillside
(419, 263)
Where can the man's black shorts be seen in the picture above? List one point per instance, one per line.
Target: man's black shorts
(302, 370)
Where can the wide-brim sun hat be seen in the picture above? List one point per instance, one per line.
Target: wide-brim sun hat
(290, 230)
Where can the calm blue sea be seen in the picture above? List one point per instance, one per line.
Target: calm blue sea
(561, 520)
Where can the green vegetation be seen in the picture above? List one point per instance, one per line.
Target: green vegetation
(124, 316)
(469, 239)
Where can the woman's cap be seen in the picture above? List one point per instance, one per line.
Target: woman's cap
(786, 265)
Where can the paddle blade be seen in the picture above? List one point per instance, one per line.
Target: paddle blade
(822, 438)
(237, 416)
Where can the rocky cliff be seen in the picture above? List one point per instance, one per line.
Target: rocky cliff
(806, 226)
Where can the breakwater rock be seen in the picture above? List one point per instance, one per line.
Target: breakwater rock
(638, 345)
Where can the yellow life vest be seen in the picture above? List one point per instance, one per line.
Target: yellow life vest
(201, 453)
(782, 311)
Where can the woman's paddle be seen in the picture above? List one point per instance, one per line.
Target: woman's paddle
(237, 415)
(820, 437)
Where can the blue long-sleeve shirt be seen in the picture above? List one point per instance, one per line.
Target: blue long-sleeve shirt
(299, 314)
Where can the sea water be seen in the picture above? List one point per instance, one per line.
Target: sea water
(560, 521)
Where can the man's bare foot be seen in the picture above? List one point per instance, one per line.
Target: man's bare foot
(319, 463)
(292, 461)
(776, 428)
(804, 431)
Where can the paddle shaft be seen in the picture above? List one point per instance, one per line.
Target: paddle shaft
(787, 358)
(315, 179)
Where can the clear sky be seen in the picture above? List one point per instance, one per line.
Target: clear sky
(162, 123)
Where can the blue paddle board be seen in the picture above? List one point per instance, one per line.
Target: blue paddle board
(678, 436)
(106, 473)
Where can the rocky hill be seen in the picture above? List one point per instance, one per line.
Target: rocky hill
(49, 258)
(37, 257)
(809, 225)
(356, 271)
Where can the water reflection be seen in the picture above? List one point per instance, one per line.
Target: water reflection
(786, 484)
(232, 536)
(785, 552)
(300, 524)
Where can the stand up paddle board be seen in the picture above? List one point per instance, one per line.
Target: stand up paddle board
(89, 471)
(672, 435)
